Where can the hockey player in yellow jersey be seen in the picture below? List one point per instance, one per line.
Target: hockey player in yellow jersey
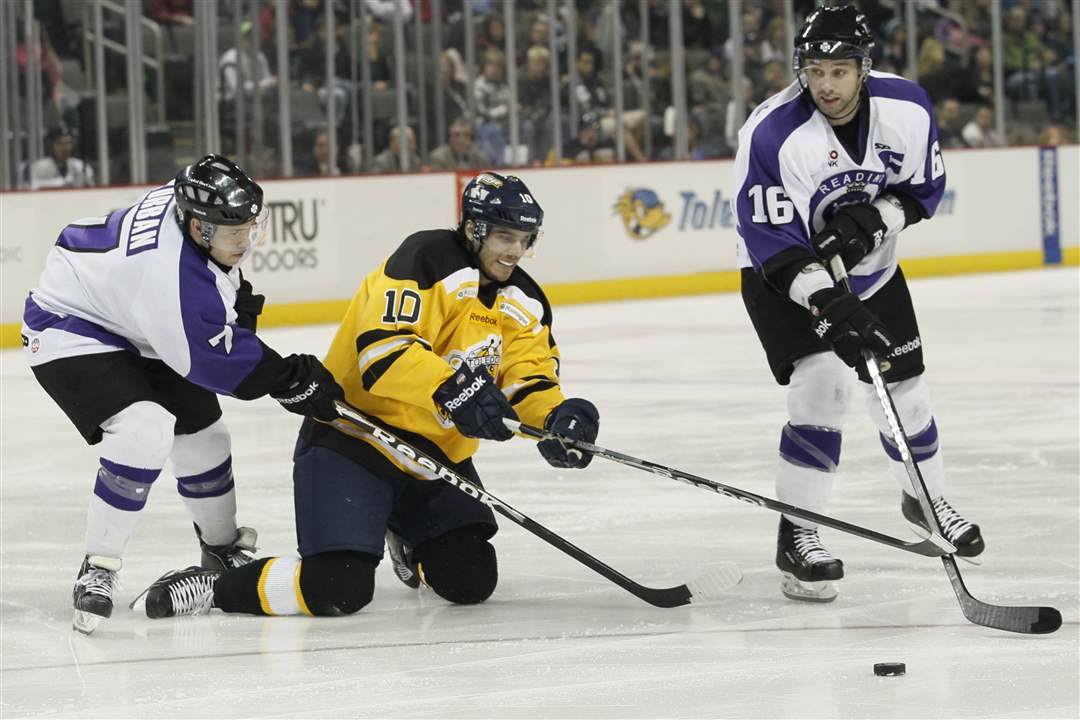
(440, 343)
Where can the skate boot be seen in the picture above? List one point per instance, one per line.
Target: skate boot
(233, 555)
(964, 535)
(180, 592)
(808, 569)
(408, 572)
(94, 588)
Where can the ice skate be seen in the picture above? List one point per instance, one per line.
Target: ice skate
(180, 592)
(964, 535)
(809, 570)
(226, 557)
(93, 593)
(407, 571)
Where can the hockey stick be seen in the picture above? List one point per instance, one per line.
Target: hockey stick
(707, 586)
(924, 547)
(1028, 620)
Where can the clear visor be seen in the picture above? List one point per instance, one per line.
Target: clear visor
(239, 238)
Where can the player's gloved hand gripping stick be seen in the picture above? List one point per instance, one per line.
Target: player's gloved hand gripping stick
(707, 586)
(1035, 620)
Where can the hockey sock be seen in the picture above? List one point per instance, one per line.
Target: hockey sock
(926, 452)
(809, 457)
(135, 443)
(334, 583)
(203, 466)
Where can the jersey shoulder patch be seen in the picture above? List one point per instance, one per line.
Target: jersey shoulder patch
(427, 257)
(524, 283)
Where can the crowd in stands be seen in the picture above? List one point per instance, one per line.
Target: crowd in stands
(954, 62)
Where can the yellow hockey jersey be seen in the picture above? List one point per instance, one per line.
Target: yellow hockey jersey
(412, 321)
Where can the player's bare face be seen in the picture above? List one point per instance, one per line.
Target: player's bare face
(834, 86)
(500, 253)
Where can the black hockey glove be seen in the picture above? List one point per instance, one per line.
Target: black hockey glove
(311, 390)
(577, 419)
(248, 306)
(853, 233)
(841, 319)
(475, 404)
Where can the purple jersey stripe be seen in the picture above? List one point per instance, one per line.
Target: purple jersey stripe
(38, 319)
(762, 239)
(221, 355)
(93, 238)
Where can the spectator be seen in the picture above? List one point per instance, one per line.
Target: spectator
(1022, 55)
(948, 122)
(458, 153)
(589, 146)
(318, 161)
(980, 132)
(775, 78)
(534, 89)
(388, 160)
(172, 12)
(492, 35)
(492, 95)
(453, 78)
(383, 10)
(592, 96)
(698, 147)
(235, 65)
(1054, 135)
(708, 89)
(58, 169)
(978, 84)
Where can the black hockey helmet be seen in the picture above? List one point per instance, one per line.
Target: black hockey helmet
(218, 191)
(504, 200)
(834, 33)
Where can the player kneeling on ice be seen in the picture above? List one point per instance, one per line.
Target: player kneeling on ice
(140, 319)
(837, 165)
(444, 340)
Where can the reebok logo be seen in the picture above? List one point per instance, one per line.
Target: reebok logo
(909, 346)
(463, 397)
(311, 390)
(484, 319)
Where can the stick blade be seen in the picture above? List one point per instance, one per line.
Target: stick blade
(715, 582)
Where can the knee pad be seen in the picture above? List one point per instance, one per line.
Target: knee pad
(202, 462)
(460, 566)
(139, 436)
(200, 451)
(912, 400)
(340, 582)
(820, 389)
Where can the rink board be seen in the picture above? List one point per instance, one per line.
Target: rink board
(598, 242)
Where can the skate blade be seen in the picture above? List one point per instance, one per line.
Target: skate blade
(85, 622)
(822, 591)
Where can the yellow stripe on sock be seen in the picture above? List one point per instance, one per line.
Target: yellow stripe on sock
(264, 602)
(299, 593)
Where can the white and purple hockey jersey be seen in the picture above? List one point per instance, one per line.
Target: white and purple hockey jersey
(130, 280)
(792, 173)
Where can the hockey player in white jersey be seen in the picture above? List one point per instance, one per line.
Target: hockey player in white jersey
(839, 163)
(140, 319)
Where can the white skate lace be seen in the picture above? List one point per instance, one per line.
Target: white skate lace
(808, 545)
(98, 581)
(192, 595)
(952, 524)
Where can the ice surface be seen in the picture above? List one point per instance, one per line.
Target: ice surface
(682, 382)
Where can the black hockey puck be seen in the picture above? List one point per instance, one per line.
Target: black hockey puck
(893, 668)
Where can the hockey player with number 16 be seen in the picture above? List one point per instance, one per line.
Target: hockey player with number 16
(838, 164)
